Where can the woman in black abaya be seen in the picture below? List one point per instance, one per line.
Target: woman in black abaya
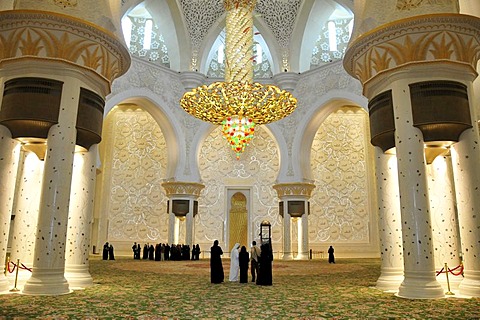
(216, 267)
(243, 259)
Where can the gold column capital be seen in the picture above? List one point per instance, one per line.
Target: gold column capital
(432, 38)
(177, 188)
(302, 189)
(32, 34)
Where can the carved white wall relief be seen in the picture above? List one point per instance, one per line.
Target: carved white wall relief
(339, 203)
(137, 201)
(257, 168)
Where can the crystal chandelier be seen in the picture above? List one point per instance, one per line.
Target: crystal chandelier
(238, 104)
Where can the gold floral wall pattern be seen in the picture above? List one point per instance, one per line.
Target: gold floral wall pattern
(137, 201)
(340, 202)
(257, 168)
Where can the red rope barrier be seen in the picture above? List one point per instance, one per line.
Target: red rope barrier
(14, 266)
(438, 272)
(459, 272)
(26, 268)
(460, 266)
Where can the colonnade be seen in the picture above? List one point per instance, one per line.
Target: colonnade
(51, 114)
(424, 128)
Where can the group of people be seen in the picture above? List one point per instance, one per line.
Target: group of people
(260, 260)
(163, 251)
(107, 253)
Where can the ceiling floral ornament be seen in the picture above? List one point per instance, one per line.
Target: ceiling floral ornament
(237, 103)
(66, 3)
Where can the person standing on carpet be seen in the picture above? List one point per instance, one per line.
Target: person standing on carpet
(216, 267)
(111, 255)
(264, 277)
(106, 247)
(243, 259)
(331, 257)
(254, 256)
(234, 263)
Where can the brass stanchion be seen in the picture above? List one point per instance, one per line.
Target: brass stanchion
(16, 277)
(449, 293)
(6, 266)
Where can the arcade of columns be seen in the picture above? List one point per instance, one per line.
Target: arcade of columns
(417, 73)
(55, 72)
(408, 77)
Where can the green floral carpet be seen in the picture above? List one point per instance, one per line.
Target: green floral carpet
(142, 289)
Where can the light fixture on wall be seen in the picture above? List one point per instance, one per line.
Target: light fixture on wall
(239, 104)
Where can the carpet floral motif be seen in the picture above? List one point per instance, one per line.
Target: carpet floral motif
(148, 290)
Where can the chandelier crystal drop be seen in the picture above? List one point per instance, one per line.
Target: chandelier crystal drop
(238, 104)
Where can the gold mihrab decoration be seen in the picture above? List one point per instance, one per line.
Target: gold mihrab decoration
(66, 3)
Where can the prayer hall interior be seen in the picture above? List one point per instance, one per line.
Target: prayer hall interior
(118, 124)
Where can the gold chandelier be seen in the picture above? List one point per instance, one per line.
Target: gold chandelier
(238, 104)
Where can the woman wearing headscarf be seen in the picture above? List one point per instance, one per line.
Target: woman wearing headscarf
(216, 267)
(234, 263)
(243, 259)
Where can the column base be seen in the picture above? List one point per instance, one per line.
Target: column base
(4, 283)
(287, 256)
(470, 285)
(302, 256)
(390, 279)
(78, 276)
(420, 285)
(46, 282)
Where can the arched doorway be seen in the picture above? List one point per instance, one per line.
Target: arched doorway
(238, 220)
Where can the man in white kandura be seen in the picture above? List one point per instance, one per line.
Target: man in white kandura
(234, 264)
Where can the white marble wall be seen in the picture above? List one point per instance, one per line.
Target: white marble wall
(136, 201)
(340, 202)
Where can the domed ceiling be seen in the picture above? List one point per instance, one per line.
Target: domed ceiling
(291, 35)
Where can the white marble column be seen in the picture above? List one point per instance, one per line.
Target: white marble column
(303, 253)
(287, 233)
(444, 219)
(176, 231)
(49, 258)
(25, 208)
(8, 172)
(419, 266)
(189, 224)
(80, 219)
(389, 221)
(465, 160)
(171, 224)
